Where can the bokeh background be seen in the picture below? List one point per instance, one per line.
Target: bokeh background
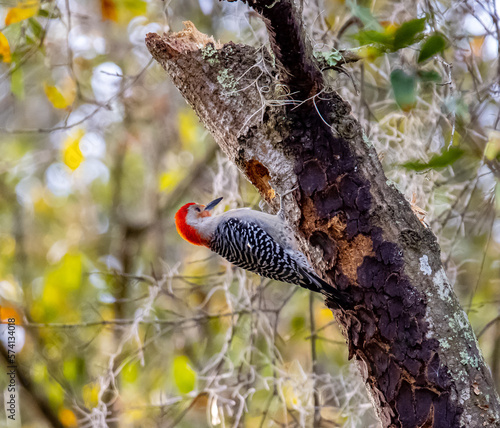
(119, 322)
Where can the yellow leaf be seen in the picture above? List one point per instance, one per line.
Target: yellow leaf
(184, 375)
(54, 96)
(122, 11)
(4, 48)
(67, 418)
(492, 150)
(24, 10)
(72, 155)
(67, 275)
(108, 10)
(369, 52)
(134, 7)
(61, 98)
(130, 372)
(390, 28)
(90, 394)
(324, 317)
(168, 180)
(60, 289)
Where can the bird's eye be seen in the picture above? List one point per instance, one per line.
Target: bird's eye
(197, 210)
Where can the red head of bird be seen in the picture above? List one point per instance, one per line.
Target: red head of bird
(191, 219)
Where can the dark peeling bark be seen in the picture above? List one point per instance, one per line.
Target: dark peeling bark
(413, 342)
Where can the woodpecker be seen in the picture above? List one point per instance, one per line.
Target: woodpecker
(259, 242)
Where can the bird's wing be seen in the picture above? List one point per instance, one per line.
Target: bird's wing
(247, 245)
(250, 247)
(279, 230)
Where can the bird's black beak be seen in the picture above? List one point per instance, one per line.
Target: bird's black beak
(212, 204)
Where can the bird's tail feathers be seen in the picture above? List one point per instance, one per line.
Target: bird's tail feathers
(321, 286)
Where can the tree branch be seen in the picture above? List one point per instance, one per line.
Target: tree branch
(413, 343)
(286, 35)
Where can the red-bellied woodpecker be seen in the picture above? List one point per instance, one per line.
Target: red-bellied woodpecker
(259, 242)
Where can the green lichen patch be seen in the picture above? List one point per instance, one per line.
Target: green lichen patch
(469, 360)
(328, 59)
(209, 53)
(444, 344)
(226, 80)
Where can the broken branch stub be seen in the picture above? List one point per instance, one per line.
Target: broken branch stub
(413, 342)
(231, 88)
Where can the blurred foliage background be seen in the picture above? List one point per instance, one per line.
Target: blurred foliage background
(120, 323)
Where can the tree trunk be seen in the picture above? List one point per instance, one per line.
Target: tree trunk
(276, 118)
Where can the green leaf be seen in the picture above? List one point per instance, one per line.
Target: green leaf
(429, 76)
(43, 13)
(448, 157)
(367, 37)
(433, 45)
(409, 33)
(52, 13)
(184, 375)
(17, 83)
(298, 323)
(37, 29)
(404, 87)
(74, 368)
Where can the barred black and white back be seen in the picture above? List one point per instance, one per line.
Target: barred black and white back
(247, 245)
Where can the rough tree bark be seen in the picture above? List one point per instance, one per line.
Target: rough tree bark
(274, 116)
